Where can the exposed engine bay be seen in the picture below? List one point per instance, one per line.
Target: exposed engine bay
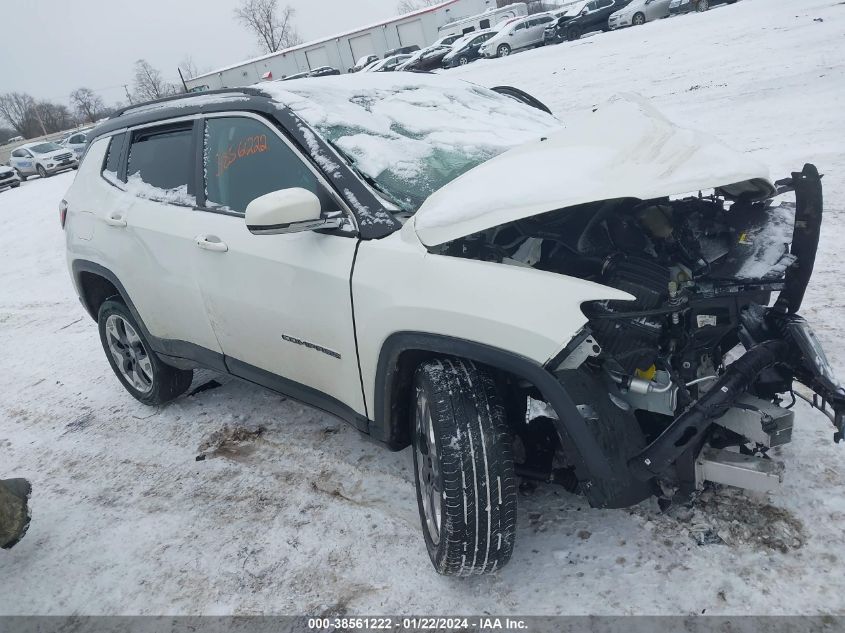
(692, 379)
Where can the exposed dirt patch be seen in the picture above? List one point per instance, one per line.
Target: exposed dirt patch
(234, 443)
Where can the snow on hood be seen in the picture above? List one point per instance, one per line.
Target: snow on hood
(624, 149)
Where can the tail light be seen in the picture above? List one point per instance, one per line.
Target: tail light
(63, 212)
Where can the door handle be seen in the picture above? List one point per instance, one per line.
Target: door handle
(115, 218)
(211, 243)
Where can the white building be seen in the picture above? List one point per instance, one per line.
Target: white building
(419, 28)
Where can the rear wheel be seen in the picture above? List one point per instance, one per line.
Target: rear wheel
(504, 50)
(136, 366)
(702, 5)
(463, 466)
(41, 171)
(638, 19)
(21, 176)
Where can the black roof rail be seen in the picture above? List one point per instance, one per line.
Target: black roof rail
(249, 91)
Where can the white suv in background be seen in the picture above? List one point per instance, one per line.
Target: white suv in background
(362, 243)
(521, 33)
(42, 159)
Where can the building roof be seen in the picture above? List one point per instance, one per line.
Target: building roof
(323, 40)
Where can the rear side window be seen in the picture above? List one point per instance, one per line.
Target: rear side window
(160, 164)
(113, 154)
(245, 159)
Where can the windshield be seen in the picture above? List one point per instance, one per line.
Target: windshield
(46, 148)
(411, 135)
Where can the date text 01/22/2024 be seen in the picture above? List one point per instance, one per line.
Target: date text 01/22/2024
(421, 623)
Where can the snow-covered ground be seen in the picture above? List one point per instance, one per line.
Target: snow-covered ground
(309, 516)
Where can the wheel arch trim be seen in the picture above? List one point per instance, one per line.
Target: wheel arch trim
(389, 426)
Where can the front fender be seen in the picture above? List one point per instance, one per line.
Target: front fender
(397, 286)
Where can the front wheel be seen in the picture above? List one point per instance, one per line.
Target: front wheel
(463, 465)
(41, 171)
(463, 61)
(573, 34)
(638, 19)
(504, 50)
(702, 5)
(136, 366)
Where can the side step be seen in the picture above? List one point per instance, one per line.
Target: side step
(734, 469)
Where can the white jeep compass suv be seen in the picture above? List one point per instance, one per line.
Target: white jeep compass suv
(453, 268)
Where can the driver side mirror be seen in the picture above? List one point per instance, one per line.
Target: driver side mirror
(287, 211)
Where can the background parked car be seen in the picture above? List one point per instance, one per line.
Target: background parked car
(363, 62)
(77, 142)
(402, 50)
(467, 49)
(556, 31)
(8, 178)
(521, 33)
(324, 71)
(593, 17)
(685, 6)
(639, 12)
(42, 159)
(388, 64)
(425, 60)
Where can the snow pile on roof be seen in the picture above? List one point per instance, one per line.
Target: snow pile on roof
(411, 132)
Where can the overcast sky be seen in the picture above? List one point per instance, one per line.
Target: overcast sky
(50, 47)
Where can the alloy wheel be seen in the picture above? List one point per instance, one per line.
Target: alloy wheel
(428, 467)
(129, 353)
(639, 19)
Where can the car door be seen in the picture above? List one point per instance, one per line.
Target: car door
(144, 228)
(23, 161)
(279, 304)
(538, 28)
(656, 9)
(518, 36)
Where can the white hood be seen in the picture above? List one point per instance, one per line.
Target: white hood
(624, 149)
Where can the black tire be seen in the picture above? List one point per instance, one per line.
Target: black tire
(21, 176)
(463, 60)
(16, 185)
(167, 383)
(42, 173)
(503, 51)
(472, 472)
(702, 5)
(638, 19)
(573, 34)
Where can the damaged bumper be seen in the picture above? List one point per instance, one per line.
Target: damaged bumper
(723, 434)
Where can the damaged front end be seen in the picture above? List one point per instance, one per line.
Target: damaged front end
(693, 379)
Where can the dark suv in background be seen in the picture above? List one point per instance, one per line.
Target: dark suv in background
(593, 17)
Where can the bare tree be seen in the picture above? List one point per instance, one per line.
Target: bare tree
(87, 104)
(18, 109)
(189, 67)
(406, 6)
(273, 29)
(53, 117)
(149, 84)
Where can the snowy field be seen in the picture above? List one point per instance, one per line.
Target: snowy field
(311, 517)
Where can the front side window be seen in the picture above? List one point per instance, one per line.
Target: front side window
(161, 163)
(245, 159)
